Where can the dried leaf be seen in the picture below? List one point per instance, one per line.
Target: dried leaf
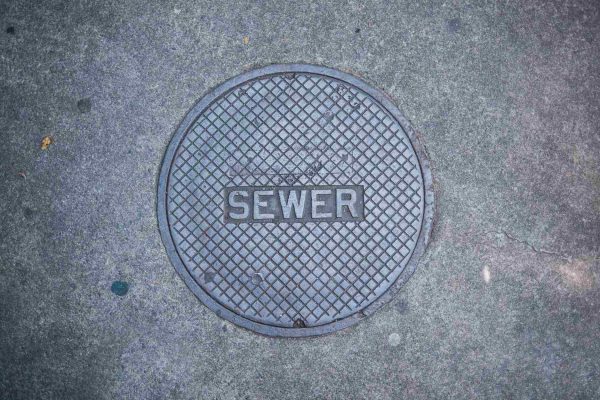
(46, 142)
(246, 40)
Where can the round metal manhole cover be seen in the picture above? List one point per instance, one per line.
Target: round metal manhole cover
(294, 200)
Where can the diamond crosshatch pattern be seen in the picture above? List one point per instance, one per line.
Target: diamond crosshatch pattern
(295, 129)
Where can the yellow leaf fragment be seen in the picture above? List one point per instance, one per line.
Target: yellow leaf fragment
(246, 40)
(46, 142)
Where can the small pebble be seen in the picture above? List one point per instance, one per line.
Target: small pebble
(84, 105)
(119, 288)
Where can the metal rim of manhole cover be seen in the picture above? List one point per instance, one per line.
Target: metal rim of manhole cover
(295, 200)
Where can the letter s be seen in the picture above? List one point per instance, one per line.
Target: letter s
(238, 204)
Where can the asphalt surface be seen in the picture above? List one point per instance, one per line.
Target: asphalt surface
(505, 302)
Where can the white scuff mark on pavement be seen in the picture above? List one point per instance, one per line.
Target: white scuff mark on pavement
(487, 276)
(394, 339)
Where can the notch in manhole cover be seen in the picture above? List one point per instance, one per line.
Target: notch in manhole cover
(294, 200)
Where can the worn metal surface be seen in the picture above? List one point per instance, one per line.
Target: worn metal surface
(314, 136)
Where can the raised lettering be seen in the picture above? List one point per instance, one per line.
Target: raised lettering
(316, 203)
(238, 204)
(258, 204)
(292, 203)
(341, 202)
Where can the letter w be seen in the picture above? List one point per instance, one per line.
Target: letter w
(292, 202)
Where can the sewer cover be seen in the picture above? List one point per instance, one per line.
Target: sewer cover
(294, 200)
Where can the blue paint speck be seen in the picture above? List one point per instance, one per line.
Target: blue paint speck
(119, 288)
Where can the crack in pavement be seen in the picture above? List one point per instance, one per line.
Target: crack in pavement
(537, 250)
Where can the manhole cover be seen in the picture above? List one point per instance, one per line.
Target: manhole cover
(294, 200)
